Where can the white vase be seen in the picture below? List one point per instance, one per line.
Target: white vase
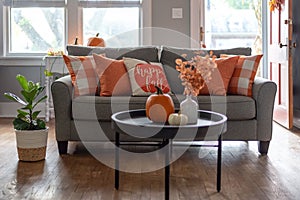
(189, 107)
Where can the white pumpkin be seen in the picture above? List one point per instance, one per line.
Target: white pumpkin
(177, 119)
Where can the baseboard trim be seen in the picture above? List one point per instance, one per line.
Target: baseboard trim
(9, 109)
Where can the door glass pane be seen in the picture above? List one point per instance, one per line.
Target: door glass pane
(117, 26)
(36, 30)
(233, 23)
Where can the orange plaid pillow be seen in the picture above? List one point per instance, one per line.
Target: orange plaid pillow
(243, 76)
(220, 77)
(84, 78)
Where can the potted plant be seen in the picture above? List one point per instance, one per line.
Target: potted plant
(31, 132)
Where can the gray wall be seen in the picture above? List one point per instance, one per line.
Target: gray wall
(175, 32)
(8, 82)
(168, 31)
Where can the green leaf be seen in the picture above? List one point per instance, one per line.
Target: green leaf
(22, 114)
(26, 95)
(35, 114)
(29, 95)
(24, 118)
(40, 90)
(48, 73)
(19, 124)
(41, 124)
(22, 81)
(41, 99)
(15, 98)
(31, 86)
(28, 107)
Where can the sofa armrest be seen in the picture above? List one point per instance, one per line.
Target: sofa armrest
(264, 92)
(62, 101)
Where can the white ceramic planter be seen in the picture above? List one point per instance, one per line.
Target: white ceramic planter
(31, 144)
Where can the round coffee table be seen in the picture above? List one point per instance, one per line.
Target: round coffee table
(134, 123)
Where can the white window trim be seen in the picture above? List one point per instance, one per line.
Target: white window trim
(196, 16)
(2, 30)
(71, 31)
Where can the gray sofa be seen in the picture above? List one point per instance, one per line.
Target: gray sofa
(88, 118)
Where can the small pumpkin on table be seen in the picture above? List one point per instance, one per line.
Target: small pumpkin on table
(160, 109)
(178, 119)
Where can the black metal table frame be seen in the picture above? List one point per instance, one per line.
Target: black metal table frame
(167, 166)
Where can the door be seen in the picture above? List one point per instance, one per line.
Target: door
(296, 63)
(280, 62)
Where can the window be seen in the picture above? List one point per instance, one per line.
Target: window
(35, 30)
(118, 22)
(233, 23)
(35, 26)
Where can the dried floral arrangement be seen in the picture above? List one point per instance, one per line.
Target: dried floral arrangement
(276, 4)
(196, 72)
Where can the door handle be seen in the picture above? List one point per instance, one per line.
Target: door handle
(294, 44)
(282, 45)
(202, 44)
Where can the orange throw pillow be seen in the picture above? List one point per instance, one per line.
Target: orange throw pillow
(114, 80)
(243, 76)
(221, 76)
(81, 69)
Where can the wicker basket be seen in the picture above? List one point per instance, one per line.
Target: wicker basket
(32, 145)
(32, 154)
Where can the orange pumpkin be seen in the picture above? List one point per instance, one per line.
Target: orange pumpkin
(159, 106)
(96, 41)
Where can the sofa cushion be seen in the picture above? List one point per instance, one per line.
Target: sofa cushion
(220, 77)
(243, 76)
(149, 53)
(170, 54)
(101, 108)
(81, 69)
(145, 76)
(113, 76)
(235, 107)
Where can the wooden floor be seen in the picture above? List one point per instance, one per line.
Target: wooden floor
(245, 174)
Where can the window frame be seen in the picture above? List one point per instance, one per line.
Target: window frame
(105, 4)
(73, 22)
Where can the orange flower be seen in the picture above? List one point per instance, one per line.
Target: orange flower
(196, 72)
(276, 4)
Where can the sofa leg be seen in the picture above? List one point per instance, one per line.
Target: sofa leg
(263, 147)
(62, 147)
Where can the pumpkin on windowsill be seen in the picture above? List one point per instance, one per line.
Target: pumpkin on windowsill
(159, 106)
(96, 41)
